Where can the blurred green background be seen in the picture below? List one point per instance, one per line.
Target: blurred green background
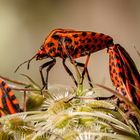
(25, 23)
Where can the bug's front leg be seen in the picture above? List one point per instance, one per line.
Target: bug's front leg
(49, 64)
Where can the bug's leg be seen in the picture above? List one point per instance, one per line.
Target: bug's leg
(79, 64)
(85, 70)
(48, 69)
(49, 64)
(69, 72)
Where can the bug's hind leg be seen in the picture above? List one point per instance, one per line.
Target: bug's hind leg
(85, 71)
(49, 64)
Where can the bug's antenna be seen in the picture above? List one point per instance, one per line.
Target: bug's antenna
(27, 61)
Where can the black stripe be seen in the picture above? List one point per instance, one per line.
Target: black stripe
(15, 106)
(129, 59)
(8, 90)
(120, 74)
(4, 96)
(131, 82)
(3, 83)
(126, 68)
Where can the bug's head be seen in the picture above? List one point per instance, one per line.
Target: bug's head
(41, 54)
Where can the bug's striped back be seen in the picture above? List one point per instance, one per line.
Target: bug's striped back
(8, 102)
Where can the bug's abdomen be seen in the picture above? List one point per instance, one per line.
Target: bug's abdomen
(82, 43)
(8, 101)
(63, 43)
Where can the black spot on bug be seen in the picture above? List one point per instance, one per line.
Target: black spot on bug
(101, 41)
(120, 74)
(3, 83)
(76, 42)
(117, 85)
(109, 42)
(53, 49)
(93, 46)
(50, 44)
(89, 40)
(16, 107)
(13, 97)
(67, 39)
(101, 35)
(107, 37)
(112, 64)
(88, 49)
(84, 33)
(5, 104)
(76, 51)
(118, 65)
(116, 78)
(81, 46)
(113, 81)
(56, 37)
(134, 98)
(93, 34)
(8, 89)
(99, 46)
(114, 71)
(75, 35)
(83, 50)
(87, 46)
(95, 40)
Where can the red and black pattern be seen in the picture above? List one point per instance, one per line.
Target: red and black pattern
(61, 43)
(66, 43)
(124, 74)
(8, 102)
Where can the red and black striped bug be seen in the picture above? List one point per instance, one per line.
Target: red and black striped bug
(8, 101)
(65, 43)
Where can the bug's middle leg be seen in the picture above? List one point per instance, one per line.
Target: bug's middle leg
(85, 71)
(69, 72)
